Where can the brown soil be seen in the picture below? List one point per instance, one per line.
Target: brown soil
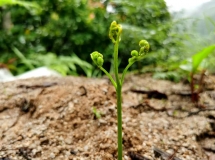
(52, 118)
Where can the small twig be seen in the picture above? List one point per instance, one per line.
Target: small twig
(160, 153)
(45, 85)
(201, 110)
(135, 156)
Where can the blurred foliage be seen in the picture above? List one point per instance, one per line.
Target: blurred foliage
(68, 27)
(63, 27)
(66, 65)
(31, 6)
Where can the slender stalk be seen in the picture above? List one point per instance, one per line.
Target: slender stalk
(109, 76)
(119, 97)
(119, 120)
(124, 72)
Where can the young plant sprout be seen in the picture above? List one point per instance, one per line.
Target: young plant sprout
(96, 113)
(115, 35)
(192, 66)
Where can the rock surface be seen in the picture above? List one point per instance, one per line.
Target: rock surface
(52, 118)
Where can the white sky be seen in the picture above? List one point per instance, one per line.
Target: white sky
(177, 5)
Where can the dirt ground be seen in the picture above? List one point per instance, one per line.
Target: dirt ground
(53, 118)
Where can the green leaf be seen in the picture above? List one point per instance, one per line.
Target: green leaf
(22, 58)
(72, 66)
(199, 57)
(87, 67)
(31, 6)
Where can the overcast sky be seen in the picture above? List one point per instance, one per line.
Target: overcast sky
(177, 5)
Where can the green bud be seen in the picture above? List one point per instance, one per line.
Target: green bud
(144, 43)
(97, 58)
(94, 55)
(134, 53)
(114, 31)
(144, 47)
(113, 24)
(100, 55)
(100, 61)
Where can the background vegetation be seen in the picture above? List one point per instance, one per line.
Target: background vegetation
(61, 35)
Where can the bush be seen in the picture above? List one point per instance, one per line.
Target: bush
(79, 26)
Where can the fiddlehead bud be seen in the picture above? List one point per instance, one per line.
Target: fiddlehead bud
(136, 56)
(144, 47)
(97, 58)
(100, 61)
(143, 43)
(115, 31)
(134, 53)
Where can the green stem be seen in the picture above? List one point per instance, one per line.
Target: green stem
(109, 76)
(119, 97)
(115, 56)
(119, 120)
(124, 72)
